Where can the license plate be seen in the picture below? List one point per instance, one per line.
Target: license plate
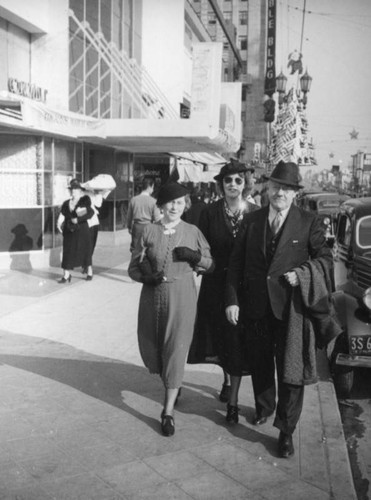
(360, 345)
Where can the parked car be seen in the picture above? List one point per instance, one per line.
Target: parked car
(326, 205)
(352, 255)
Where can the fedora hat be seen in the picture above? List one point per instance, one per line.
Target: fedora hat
(234, 166)
(75, 184)
(170, 191)
(287, 174)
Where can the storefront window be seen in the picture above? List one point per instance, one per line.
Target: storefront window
(64, 156)
(20, 229)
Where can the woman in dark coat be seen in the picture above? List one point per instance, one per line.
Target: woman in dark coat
(215, 340)
(72, 223)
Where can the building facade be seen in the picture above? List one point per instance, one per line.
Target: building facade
(103, 86)
(246, 22)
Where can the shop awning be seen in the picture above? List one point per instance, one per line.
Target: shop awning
(198, 167)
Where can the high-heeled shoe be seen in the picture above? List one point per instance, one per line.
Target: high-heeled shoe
(65, 280)
(232, 414)
(167, 424)
(89, 277)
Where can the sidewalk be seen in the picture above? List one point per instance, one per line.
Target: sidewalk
(80, 414)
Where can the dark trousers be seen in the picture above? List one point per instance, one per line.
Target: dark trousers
(265, 352)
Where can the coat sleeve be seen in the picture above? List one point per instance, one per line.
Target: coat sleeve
(235, 268)
(134, 270)
(206, 264)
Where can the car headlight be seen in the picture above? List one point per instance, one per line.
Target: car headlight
(326, 221)
(366, 298)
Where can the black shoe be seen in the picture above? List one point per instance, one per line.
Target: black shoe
(65, 280)
(232, 414)
(285, 445)
(89, 277)
(225, 393)
(259, 420)
(167, 425)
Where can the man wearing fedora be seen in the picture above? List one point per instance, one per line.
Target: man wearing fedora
(276, 241)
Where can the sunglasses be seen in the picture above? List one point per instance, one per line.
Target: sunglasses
(237, 180)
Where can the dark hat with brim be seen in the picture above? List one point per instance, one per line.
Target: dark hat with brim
(233, 167)
(287, 174)
(170, 191)
(75, 184)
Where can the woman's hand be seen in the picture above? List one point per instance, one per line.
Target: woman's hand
(232, 313)
(185, 254)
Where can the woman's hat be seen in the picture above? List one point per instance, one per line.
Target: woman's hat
(170, 191)
(233, 167)
(75, 184)
(287, 174)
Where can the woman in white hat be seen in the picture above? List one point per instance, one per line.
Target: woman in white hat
(72, 223)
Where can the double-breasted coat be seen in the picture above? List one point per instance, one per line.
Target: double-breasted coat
(260, 284)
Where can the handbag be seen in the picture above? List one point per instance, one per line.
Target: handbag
(71, 227)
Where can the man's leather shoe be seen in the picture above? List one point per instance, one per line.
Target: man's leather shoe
(285, 445)
(259, 420)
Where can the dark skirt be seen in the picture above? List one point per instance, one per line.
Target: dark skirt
(77, 247)
(215, 340)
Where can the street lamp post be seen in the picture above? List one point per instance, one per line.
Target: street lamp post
(305, 84)
(281, 82)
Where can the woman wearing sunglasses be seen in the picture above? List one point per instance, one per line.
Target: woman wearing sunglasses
(215, 340)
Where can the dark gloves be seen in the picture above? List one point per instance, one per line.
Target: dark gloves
(186, 254)
(153, 279)
(145, 267)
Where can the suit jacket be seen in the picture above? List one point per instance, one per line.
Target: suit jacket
(258, 286)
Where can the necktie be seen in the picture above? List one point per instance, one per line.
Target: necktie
(276, 223)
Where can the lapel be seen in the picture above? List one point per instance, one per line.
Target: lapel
(261, 228)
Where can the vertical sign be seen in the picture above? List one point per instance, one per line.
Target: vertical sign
(270, 73)
(206, 82)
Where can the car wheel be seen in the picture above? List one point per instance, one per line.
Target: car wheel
(343, 380)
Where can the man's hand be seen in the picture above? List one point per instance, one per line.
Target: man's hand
(232, 313)
(292, 278)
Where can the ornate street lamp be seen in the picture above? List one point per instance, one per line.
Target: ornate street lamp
(305, 83)
(281, 82)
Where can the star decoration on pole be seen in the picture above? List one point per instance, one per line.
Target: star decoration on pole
(353, 134)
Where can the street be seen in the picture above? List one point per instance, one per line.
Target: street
(356, 417)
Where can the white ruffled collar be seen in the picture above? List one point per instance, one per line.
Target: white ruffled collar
(169, 228)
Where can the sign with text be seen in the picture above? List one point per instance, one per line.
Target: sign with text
(270, 73)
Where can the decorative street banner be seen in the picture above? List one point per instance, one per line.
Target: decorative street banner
(270, 74)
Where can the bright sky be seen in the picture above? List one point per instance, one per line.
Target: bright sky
(337, 52)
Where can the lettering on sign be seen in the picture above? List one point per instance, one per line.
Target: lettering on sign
(270, 74)
(25, 89)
